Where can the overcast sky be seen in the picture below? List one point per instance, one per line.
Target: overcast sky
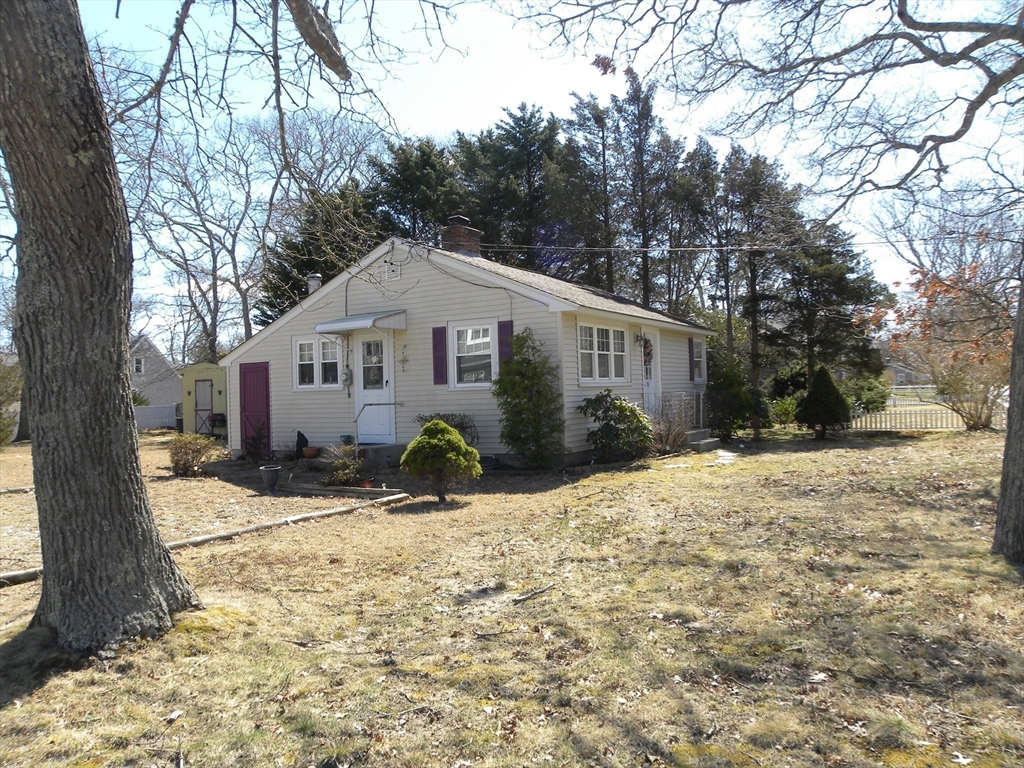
(435, 92)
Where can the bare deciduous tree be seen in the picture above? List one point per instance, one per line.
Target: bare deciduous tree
(107, 574)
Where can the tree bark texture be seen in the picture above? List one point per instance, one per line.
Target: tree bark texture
(1009, 536)
(107, 575)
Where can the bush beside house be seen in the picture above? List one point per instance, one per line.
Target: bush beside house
(530, 400)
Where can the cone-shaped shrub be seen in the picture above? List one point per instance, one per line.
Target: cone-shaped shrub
(824, 407)
(441, 455)
(529, 396)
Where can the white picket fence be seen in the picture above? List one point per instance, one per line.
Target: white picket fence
(899, 419)
(155, 416)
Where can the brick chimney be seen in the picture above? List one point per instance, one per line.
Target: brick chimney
(459, 237)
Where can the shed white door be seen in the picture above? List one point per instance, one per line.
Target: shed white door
(375, 410)
(650, 359)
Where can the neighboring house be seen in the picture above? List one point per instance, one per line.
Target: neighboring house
(204, 399)
(413, 330)
(901, 375)
(153, 376)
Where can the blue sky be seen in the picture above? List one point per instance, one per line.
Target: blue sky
(434, 92)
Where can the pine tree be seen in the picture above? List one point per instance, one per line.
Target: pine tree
(335, 232)
(824, 408)
(413, 192)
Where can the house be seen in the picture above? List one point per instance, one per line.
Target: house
(899, 375)
(204, 399)
(411, 329)
(153, 376)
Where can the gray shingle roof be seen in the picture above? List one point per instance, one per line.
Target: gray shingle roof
(583, 295)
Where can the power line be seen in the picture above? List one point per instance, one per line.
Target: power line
(501, 247)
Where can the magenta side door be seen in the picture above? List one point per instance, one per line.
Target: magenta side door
(254, 402)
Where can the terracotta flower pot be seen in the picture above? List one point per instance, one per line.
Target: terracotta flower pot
(368, 483)
(310, 452)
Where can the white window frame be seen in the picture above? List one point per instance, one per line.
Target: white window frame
(699, 366)
(324, 348)
(604, 340)
(138, 365)
(491, 325)
(317, 360)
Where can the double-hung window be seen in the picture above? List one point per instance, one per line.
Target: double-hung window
(474, 354)
(602, 353)
(316, 363)
(698, 359)
(328, 363)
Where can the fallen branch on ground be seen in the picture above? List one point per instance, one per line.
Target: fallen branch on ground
(531, 595)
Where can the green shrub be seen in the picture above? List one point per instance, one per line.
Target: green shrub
(623, 429)
(139, 400)
(788, 380)
(345, 464)
(730, 404)
(783, 410)
(441, 456)
(256, 444)
(865, 393)
(190, 453)
(463, 422)
(529, 397)
(824, 408)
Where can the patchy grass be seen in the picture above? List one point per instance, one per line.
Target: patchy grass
(805, 604)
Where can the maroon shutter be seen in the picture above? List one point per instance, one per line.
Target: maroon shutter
(504, 340)
(692, 377)
(440, 335)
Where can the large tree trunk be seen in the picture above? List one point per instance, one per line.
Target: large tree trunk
(107, 575)
(1009, 536)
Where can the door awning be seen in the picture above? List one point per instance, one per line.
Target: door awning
(393, 320)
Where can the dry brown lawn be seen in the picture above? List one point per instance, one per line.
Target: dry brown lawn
(798, 605)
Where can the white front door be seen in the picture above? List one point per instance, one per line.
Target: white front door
(375, 410)
(650, 359)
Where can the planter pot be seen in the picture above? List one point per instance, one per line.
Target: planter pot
(271, 473)
(367, 483)
(310, 452)
(347, 440)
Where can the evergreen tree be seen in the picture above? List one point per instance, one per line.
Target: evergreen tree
(529, 397)
(586, 195)
(760, 211)
(827, 293)
(502, 171)
(647, 157)
(730, 404)
(824, 408)
(690, 228)
(335, 232)
(440, 455)
(414, 190)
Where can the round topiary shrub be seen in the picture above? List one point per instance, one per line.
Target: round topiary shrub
(441, 456)
(824, 408)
